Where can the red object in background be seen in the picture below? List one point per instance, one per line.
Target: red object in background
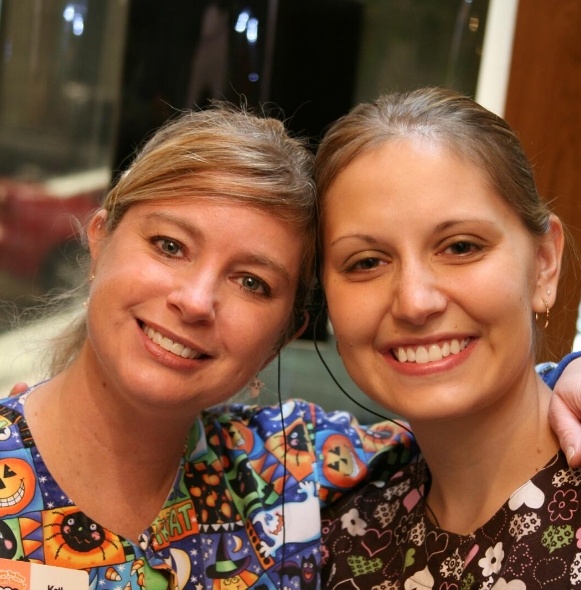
(39, 227)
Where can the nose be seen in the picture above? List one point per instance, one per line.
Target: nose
(194, 295)
(418, 294)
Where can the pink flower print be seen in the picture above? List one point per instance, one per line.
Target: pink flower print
(564, 505)
(578, 537)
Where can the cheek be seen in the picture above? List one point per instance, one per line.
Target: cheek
(504, 303)
(354, 314)
(255, 332)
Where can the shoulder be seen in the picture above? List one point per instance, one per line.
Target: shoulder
(389, 492)
(322, 428)
(14, 431)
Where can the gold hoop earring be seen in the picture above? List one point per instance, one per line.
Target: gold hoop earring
(547, 310)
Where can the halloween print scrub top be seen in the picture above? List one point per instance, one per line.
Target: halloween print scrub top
(223, 525)
(381, 538)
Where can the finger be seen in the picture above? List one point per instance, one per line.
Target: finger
(564, 418)
(18, 388)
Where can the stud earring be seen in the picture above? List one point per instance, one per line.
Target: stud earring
(547, 310)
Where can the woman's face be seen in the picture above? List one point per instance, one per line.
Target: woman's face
(431, 281)
(189, 299)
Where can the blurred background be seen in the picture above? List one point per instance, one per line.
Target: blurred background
(83, 83)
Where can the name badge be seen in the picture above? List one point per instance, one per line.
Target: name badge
(21, 575)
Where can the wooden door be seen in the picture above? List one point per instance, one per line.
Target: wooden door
(544, 107)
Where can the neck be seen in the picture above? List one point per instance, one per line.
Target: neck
(476, 463)
(133, 453)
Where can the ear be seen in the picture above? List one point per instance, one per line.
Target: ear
(96, 234)
(549, 257)
(288, 340)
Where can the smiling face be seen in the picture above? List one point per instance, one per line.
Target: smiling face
(431, 281)
(189, 300)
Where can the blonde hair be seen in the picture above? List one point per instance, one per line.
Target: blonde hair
(221, 153)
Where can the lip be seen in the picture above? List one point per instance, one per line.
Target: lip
(462, 347)
(169, 347)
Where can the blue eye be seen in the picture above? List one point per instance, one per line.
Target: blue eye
(254, 285)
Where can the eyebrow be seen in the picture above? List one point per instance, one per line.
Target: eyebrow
(247, 258)
(445, 225)
(363, 237)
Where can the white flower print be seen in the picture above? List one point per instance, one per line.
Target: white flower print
(395, 491)
(355, 526)
(522, 525)
(575, 570)
(452, 566)
(385, 512)
(562, 477)
(418, 533)
(492, 560)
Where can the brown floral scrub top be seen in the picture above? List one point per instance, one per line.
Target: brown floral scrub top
(381, 539)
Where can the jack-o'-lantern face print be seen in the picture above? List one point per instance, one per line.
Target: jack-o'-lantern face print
(342, 467)
(17, 485)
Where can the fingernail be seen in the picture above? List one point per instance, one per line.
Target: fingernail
(570, 453)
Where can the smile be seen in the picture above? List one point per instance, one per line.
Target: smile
(429, 353)
(15, 498)
(166, 343)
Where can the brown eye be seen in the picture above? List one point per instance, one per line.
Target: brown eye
(169, 246)
(366, 264)
(461, 248)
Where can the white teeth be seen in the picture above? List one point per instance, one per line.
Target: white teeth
(435, 352)
(422, 355)
(169, 345)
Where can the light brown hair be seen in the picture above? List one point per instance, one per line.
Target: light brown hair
(445, 117)
(221, 153)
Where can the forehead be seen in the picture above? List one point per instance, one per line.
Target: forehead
(220, 224)
(411, 180)
(413, 166)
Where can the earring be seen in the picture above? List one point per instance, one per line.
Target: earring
(255, 386)
(86, 302)
(547, 310)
